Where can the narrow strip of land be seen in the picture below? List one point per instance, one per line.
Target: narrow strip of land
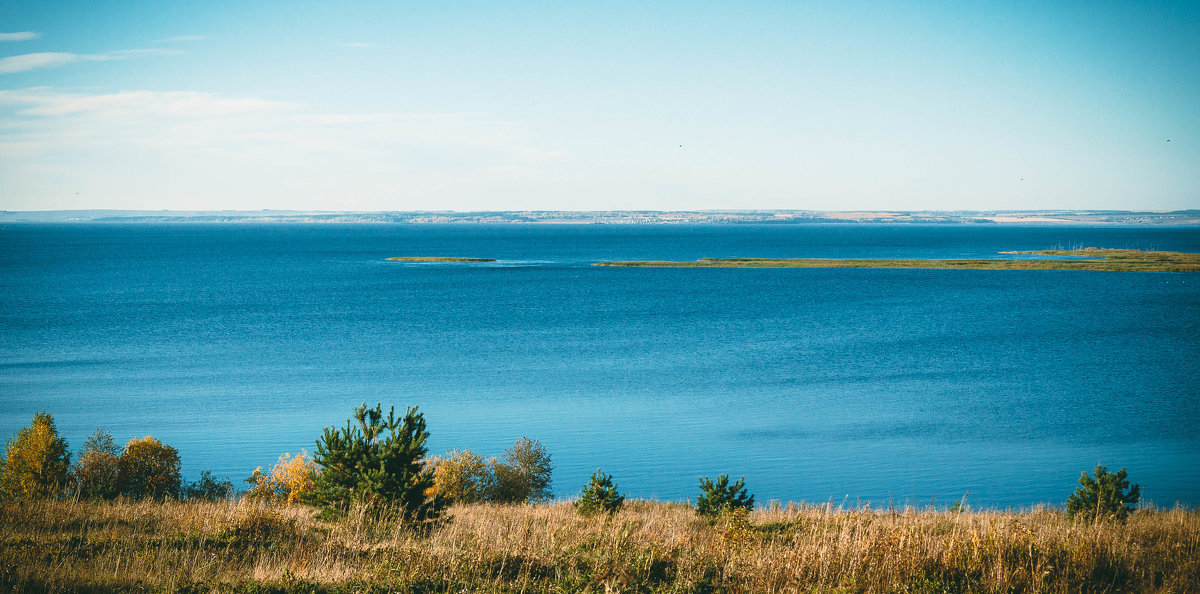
(438, 259)
(1083, 259)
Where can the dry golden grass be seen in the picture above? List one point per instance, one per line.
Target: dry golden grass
(647, 547)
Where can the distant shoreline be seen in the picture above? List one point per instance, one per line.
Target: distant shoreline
(619, 217)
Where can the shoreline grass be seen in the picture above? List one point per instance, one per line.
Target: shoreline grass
(1096, 259)
(235, 546)
(437, 259)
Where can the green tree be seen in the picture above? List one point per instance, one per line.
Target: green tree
(717, 497)
(523, 474)
(149, 469)
(600, 495)
(377, 458)
(207, 488)
(36, 462)
(1106, 496)
(96, 474)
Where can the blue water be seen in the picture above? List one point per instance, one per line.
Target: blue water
(236, 343)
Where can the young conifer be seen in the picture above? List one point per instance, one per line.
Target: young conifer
(377, 458)
(717, 497)
(600, 495)
(1106, 496)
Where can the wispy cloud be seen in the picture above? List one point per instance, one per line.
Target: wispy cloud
(142, 143)
(173, 104)
(182, 39)
(19, 36)
(27, 62)
(40, 60)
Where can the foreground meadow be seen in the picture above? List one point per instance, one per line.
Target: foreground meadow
(48, 546)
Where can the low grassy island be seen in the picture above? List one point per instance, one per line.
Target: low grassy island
(437, 259)
(1082, 259)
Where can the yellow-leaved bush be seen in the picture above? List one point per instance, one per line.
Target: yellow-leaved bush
(521, 475)
(288, 482)
(35, 462)
(463, 476)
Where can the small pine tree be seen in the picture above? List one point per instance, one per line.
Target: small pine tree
(717, 497)
(377, 459)
(1105, 496)
(149, 469)
(36, 462)
(96, 474)
(600, 495)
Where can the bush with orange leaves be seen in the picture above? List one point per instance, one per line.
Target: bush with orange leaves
(464, 477)
(521, 475)
(149, 469)
(289, 481)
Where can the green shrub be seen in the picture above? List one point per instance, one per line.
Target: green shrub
(1106, 496)
(36, 462)
(96, 473)
(522, 475)
(717, 497)
(378, 459)
(149, 469)
(600, 495)
(208, 488)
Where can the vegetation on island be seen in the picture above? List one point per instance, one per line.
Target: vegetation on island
(438, 259)
(1096, 259)
(370, 513)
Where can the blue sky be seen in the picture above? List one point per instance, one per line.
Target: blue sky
(607, 105)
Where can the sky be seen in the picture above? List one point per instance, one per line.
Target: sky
(841, 105)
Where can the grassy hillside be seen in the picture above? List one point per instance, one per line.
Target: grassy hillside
(647, 547)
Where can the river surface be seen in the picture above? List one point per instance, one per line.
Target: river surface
(235, 343)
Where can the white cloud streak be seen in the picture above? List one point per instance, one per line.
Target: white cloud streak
(40, 60)
(210, 150)
(182, 39)
(177, 104)
(26, 62)
(19, 36)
